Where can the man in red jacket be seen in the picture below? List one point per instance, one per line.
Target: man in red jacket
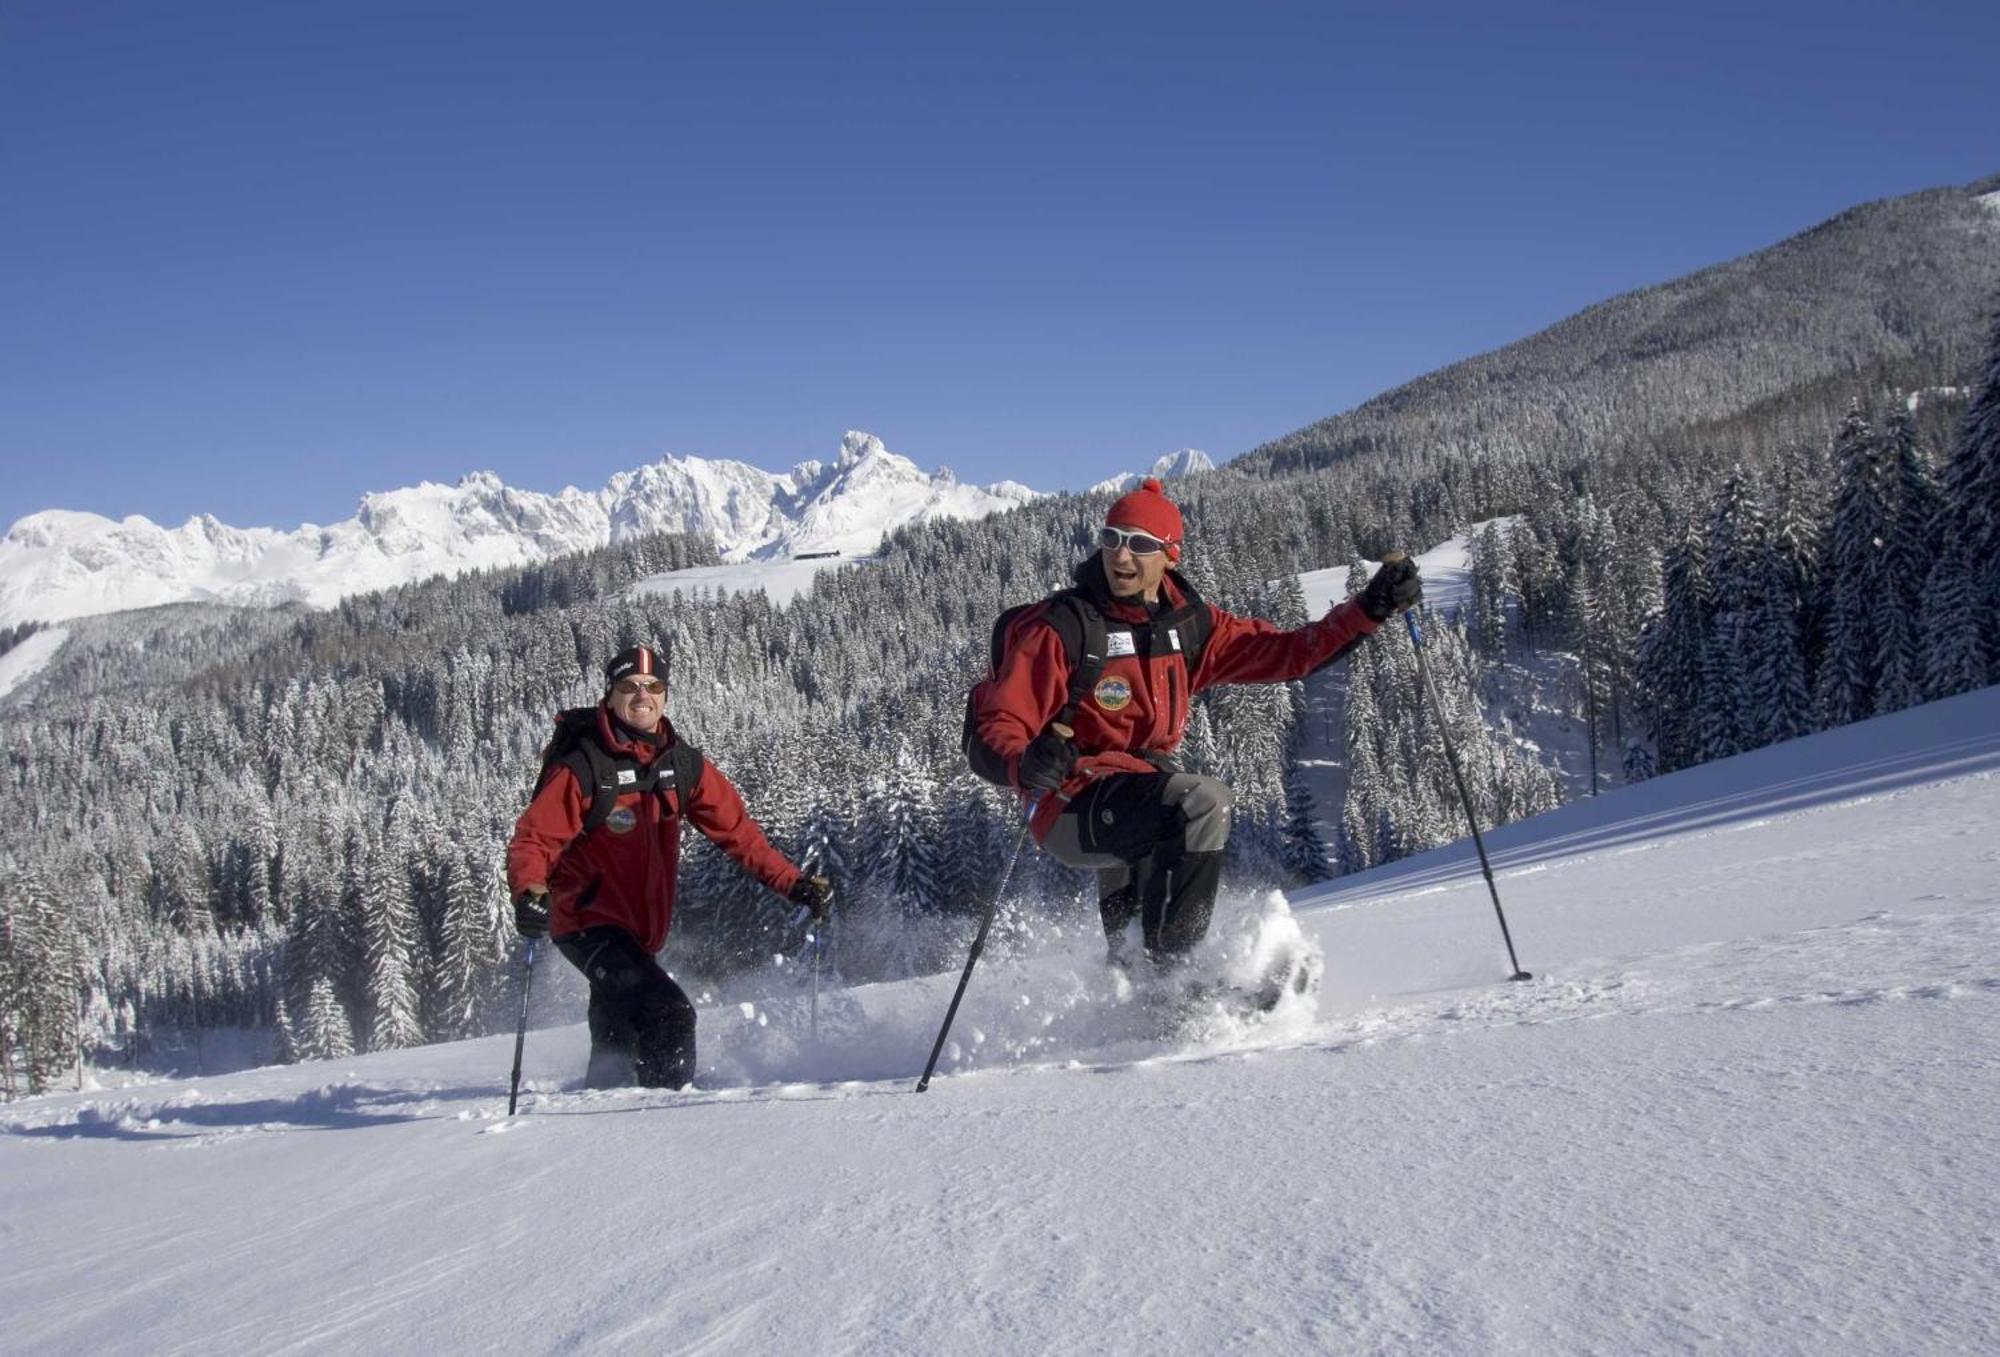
(593, 861)
(1112, 796)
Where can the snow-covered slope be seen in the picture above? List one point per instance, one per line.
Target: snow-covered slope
(59, 564)
(1171, 467)
(781, 581)
(1446, 569)
(28, 658)
(1746, 1105)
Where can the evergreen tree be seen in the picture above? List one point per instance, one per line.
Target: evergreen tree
(389, 937)
(1853, 576)
(1730, 713)
(323, 1032)
(1671, 659)
(1953, 625)
(1306, 858)
(1906, 558)
(1971, 513)
(1489, 592)
(39, 968)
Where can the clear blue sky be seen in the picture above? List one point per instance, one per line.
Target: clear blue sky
(258, 258)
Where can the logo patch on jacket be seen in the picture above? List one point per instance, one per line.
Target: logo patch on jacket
(1113, 693)
(621, 820)
(1118, 643)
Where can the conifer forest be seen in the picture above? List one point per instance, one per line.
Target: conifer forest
(292, 823)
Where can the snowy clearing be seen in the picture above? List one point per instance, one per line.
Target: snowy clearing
(1446, 568)
(781, 581)
(1746, 1105)
(30, 657)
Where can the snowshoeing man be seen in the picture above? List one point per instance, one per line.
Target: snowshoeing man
(593, 861)
(1089, 697)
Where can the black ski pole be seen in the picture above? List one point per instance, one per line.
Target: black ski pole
(972, 959)
(1464, 796)
(521, 1032)
(815, 944)
(819, 950)
(979, 938)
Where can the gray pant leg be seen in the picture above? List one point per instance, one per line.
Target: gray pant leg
(1204, 804)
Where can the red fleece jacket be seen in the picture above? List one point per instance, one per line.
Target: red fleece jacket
(1139, 703)
(623, 872)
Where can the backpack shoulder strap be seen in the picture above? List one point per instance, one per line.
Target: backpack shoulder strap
(574, 746)
(1081, 627)
(688, 763)
(1194, 631)
(597, 773)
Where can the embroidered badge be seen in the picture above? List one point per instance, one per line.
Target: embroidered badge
(1119, 643)
(1113, 693)
(621, 820)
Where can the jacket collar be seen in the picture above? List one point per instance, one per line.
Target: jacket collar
(1089, 577)
(619, 738)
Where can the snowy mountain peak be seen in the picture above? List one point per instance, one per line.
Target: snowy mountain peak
(58, 564)
(1171, 467)
(856, 445)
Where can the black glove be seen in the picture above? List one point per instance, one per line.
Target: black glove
(1046, 762)
(1393, 588)
(814, 893)
(531, 913)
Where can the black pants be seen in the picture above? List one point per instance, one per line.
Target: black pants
(641, 1023)
(1156, 840)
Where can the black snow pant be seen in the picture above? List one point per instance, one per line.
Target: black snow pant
(641, 1022)
(1156, 840)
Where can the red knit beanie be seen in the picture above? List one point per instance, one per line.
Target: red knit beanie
(1148, 510)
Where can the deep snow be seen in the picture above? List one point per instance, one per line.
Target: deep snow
(1746, 1105)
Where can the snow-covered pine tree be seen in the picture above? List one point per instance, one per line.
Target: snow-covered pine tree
(1787, 614)
(1730, 711)
(1954, 626)
(1670, 660)
(1853, 576)
(1971, 510)
(1366, 801)
(388, 928)
(1908, 552)
(460, 967)
(1306, 857)
(323, 1031)
(1490, 569)
(1774, 662)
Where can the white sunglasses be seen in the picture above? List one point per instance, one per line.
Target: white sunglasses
(1138, 543)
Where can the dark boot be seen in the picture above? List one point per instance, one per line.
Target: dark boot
(665, 1048)
(610, 1067)
(610, 1049)
(1189, 903)
(1118, 909)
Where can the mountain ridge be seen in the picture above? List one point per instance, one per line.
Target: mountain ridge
(57, 564)
(1910, 280)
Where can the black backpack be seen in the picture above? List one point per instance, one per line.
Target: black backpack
(1081, 626)
(605, 776)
